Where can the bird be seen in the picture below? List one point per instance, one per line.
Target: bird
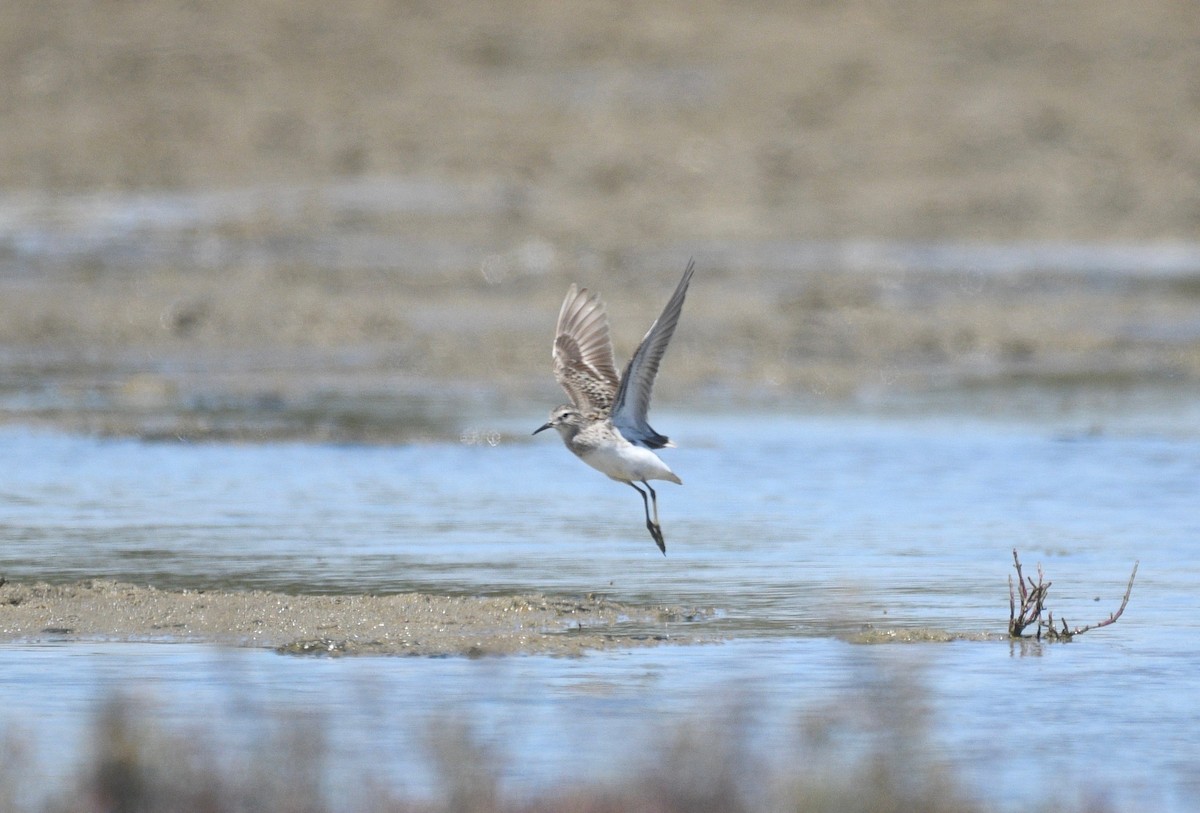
(605, 423)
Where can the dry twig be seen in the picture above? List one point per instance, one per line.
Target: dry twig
(1033, 599)
(1033, 602)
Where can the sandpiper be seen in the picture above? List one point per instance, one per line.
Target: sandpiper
(605, 423)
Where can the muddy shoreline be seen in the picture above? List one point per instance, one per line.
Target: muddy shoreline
(351, 356)
(405, 624)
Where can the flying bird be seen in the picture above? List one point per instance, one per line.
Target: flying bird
(605, 424)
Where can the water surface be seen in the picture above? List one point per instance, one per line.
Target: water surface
(798, 531)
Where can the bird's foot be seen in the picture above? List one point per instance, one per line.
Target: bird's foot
(657, 535)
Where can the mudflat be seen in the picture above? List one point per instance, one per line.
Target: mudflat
(402, 624)
(358, 223)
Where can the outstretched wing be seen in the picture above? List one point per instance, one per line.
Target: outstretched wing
(633, 396)
(583, 353)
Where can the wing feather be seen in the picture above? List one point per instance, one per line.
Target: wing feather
(583, 353)
(632, 403)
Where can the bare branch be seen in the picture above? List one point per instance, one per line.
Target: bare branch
(1066, 633)
(1033, 600)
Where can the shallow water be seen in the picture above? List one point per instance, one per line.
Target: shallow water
(798, 531)
(789, 526)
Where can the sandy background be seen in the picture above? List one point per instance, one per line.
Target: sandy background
(619, 123)
(357, 220)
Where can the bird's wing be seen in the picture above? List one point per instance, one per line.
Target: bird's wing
(583, 353)
(633, 395)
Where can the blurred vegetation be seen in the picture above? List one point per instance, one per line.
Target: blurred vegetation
(869, 752)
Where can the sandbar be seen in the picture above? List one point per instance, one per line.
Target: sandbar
(401, 624)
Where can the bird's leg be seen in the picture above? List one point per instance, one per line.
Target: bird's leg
(653, 499)
(652, 524)
(655, 531)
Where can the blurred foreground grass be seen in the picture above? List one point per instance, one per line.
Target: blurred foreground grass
(869, 751)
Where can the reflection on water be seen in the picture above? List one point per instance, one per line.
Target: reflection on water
(797, 530)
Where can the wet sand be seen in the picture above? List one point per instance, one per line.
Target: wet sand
(355, 357)
(405, 624)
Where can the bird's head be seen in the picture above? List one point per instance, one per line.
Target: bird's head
(566, 419)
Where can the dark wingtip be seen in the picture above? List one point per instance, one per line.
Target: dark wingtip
(656, 441)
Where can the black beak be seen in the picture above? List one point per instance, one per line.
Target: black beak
(540, 428)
